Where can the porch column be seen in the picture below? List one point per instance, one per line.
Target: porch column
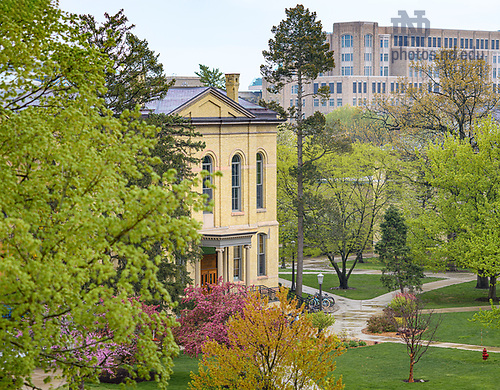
(230, 264)
(224, 265)
(197, 273)
(220, 262)
(247, 264)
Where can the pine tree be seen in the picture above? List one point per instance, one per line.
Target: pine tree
(400, 271)
(211, 77)
(299, 53)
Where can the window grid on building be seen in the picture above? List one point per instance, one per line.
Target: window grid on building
(260, 181)
(236, 182)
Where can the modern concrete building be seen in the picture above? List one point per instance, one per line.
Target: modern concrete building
(240, 235)
(371, 59)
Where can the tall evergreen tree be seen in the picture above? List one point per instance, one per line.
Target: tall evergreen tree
(134, 76)
(400, 271)
(297, 53)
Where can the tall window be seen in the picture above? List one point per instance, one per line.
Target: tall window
(237, 274)
(347, 40)
(236, 182)
(260, 181)
(207, 165)
(261, 271)
(368, 40)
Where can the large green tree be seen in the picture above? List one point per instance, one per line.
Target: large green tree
(457, 92)
(344, 200)
(297, 53)
(135, 77)
(68, 211)
(460, 222)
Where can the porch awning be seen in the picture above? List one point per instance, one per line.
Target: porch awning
(224, 240)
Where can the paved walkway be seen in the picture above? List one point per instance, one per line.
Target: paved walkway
(351, 315)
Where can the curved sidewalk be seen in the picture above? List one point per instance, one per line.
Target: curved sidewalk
(351, 315)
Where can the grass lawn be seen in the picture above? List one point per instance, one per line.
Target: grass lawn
(457, 328)
(369, 263)
(385, 366)
(458, 295)
(364, 286)
(178, 381)
(382, 366)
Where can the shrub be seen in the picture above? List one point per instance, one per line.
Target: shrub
(382, 323)
(353, 343)
(403, 303)
(321, 320)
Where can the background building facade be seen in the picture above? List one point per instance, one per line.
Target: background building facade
(372, 59)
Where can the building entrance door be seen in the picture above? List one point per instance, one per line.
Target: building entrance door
(209, 269)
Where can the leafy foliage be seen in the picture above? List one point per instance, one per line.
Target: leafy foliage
(69, 213)
(382, 323)
(489, 318)
(347, 193)
(270, 347)
(134, 76)
(358, 125)
(460, 222)
(321, 320)
(400, 271)
(211, 77)
(457, 94)
(207, 319)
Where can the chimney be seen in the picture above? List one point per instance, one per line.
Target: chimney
(232, 85)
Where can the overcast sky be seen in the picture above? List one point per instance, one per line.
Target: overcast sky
(231, 34)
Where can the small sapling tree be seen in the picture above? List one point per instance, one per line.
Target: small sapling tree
(415, 328)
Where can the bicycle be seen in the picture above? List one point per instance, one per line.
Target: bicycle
(313, 301)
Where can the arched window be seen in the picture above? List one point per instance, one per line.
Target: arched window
(207, 165)
(347, 40)
(368, 40)
(236, 183)
(261, 253)
(260, 181)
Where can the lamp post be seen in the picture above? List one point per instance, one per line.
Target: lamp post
(320, 282)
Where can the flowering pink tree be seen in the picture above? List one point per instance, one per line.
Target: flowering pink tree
(207, 320)
(97, 348)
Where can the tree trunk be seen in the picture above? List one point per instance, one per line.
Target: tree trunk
(412, 363)
(300, 192)
(343, 275)
(359, 257)
(343, 281)
(482, 282)
(492, 291)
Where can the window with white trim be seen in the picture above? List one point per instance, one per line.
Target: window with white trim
(236, 183)
(260, 181)
(237, 269)
(207, 165)
(261, 249)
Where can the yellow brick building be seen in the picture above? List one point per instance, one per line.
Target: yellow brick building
(240, 236)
